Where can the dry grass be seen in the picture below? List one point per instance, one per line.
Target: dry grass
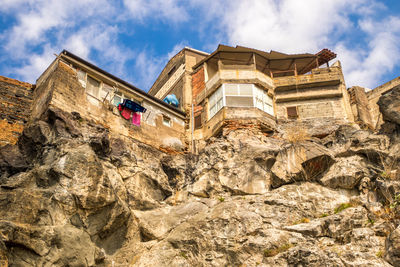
(297, 134)
(275, 251)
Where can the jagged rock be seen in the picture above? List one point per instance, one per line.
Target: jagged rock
(393, 248)
(11, 160)
(90, 197)
(300, 162)
(389, 106)
(346, 173)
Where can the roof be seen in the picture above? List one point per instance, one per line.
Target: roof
(130, 86)
(273, 60)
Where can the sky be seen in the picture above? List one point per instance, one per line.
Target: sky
(134, 39)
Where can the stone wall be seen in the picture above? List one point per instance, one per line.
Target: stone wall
(313, 108)
(373, 97)
(15, 104)
(62, 89)
(360, 106)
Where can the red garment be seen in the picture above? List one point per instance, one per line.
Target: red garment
(136, 118)
(126, 113)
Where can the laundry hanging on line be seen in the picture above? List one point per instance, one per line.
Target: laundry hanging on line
(130, 109)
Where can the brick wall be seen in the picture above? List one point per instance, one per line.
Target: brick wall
(15, 105)
(198, 83)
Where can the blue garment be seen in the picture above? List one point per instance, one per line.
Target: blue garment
(135, 107)
(172, 100)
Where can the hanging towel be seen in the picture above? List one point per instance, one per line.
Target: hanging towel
(126, 113)
(136, 118)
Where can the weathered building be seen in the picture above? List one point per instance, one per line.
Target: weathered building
(75, 85)
(233, 87)
(175, 78)
(236, 86)
(15, 104)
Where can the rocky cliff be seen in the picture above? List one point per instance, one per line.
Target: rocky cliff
(72, 193)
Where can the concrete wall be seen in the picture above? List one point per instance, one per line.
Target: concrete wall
(321, 94)
(229, 117)
(313, 108)
(63, 90)
(15, 105)
(373, 97)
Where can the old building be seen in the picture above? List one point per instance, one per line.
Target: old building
(75, 85)
(233, 87)
(175, 78)
(244, 86)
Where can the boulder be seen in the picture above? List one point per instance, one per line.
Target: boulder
(345, 173)
(393, 247)
(389, 105)
(304, 161)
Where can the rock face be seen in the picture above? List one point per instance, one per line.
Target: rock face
(74, 194)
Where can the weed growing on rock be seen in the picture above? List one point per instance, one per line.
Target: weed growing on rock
(324, 215)
(275, 251)
(302, 220)
(183, 255)
(221, 199)
(297, 134)
(380, 254)
(342, 207)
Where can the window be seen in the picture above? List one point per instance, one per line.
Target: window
(292, 112)
(93, 87)
(166, 121)
(82, 78)
(215, 102)
(117, 99)
(240, 95)
(106, 91)
(197, 121)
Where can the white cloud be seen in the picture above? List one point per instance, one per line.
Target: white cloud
(171, 10)
(37, 63)
(148, 66)
(380, 56)
(294, 26)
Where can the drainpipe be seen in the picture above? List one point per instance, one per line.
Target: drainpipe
(192, 126)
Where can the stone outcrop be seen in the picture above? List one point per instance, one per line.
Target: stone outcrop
(72, 193)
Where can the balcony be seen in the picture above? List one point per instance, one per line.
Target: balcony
(318, 77)
(239, 75)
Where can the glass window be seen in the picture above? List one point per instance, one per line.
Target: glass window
(117, 99)
(215, 102)
(166, 121)
(106, 91)
(246, 89)
(92, 87)
(239, 101)
(82, 78)
(231, 89)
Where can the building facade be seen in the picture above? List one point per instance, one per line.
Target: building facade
(231, 88)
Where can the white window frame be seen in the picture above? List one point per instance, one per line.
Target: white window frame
(166, 121)
(266, 100)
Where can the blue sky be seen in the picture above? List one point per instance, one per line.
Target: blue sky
(134, 39)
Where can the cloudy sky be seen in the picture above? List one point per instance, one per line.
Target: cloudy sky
(133, 39)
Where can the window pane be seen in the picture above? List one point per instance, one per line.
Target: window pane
(239, 101)
(267, 99)
(82, 77)
(246, 89)
(93, 86)
(106, 91)
(117, 100)
(231, 89)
